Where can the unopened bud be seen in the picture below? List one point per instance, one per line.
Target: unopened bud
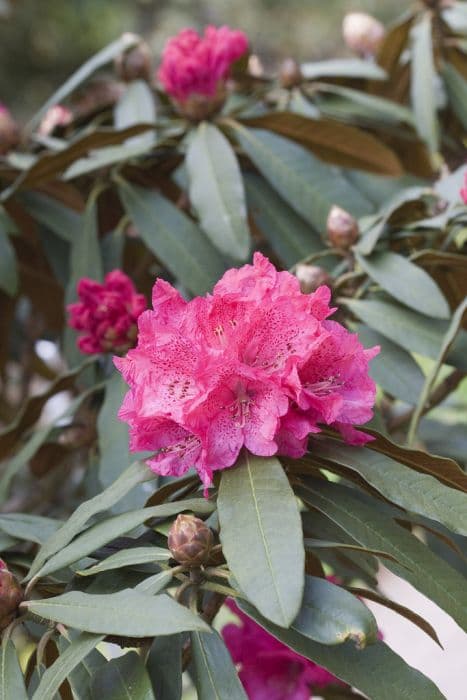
(190, 540)
(311, 277)
(198, 107)
(362, 33)
(342, 228)
(11, 595)
(134, 64)
(290, 74)
(9, 132)
(56, 116)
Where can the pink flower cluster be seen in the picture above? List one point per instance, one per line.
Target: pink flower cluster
(256, 365)
(269, 670)
(107, 313)
(193, 64)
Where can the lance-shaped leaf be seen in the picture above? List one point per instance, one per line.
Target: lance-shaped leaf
(406, 282)
(419, 493)
(331, 615)
(164, 665)
(123, 678)
(11, 676)
(173, 238)
(127, 613)
(61, 220)
(456, 86)
(372, 528)
(136, 473)
(215, 674)
(8, 272)
(310, 186)
(376, 670)
(25, 526)
(216, 191)
(68, 660)
(422, 84)
(261, 535)
(342, 68)
(136, 106)
(128, 557)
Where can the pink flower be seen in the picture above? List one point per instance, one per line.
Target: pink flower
(199, 65)
(464, 190)
(57, 115)
(269, 670)
(255, 365)
(107, 313)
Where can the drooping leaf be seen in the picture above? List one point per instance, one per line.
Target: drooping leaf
(123, 678)
(29, 527)
(376, 670)
(11, 676)
(319, 544)
(155, 584)
(349, 104)
(308, 185)
(173, 238)
(423, 82)
(128, 613)
(8, 271)
(342, 68)
(128, 557)
(394, 369)
(409, 489)
(267, 561)
(406, 282)
(136, 106)
(374, 529)
(215, 674)
(164, 666)
(456, 86)
(61, 220)
(329, 616)
(216, 191)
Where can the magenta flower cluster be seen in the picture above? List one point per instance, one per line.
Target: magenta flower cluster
(198, 65)
(268, 669)
(255, 365)
(106, 313)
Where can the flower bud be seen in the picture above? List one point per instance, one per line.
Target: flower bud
(11, 595)
(9, 132)
(290, 74)
(134, 64)
(362, 33)
(342, 228)
(311, 277)
(198, 107)
(190, 540)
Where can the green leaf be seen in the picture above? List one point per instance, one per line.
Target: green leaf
(128, 613)
(216, 191)
(456, 87)
(164, 666)
(11, 677)
(310, 186)
(104, 157)
(109, 529)
(422, 82)
(410, 330)
(291, 238)
(346, 103)
(136, 106)
(215, 674)
(319, 544)
(406, 282)
(155, 584)
(372, 528)
(104, 56)
(61, 220)
(376, 670)
(266, 560)
(136, 473)
(24, 526)
(68, 660)
(8, 272)
(128, 557)
(342, 68)
(418, 493)
(173, 238)
(394, 369)
(331, 615)
(123, 678)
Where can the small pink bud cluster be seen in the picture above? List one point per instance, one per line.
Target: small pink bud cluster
(195, 68)
(107, 314)
(256, 365)
(56, 116)
(362, 33)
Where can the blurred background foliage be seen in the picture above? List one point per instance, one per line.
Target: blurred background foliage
(43, 41)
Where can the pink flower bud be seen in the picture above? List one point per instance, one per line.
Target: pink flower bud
(11, 595)
(342, 228)
(362, 33)
(134, 64)
(290, 74)
(56, 116)
(190, 540)
(311, 277)
(9, 132)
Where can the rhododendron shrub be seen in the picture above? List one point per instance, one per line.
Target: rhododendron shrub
(290, 406)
